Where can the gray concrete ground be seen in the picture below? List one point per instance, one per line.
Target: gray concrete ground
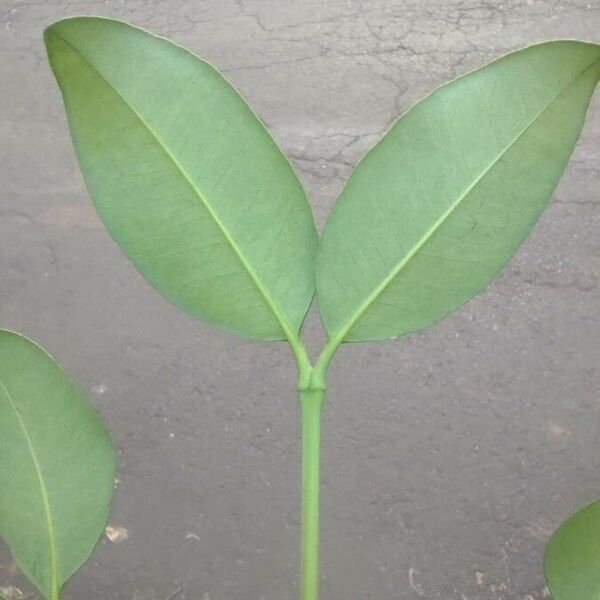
(449, 457)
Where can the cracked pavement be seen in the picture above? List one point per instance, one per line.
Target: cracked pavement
(448, 456)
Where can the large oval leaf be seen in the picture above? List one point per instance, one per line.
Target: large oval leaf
(572, 557)
(186, 178)
(442, 202)
(57, 466)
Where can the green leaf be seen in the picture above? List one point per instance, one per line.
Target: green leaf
(186, 178)
(442, 202)
(572, 557)
(57, 466)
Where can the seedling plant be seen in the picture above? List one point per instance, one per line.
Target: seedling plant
(198, 195)
(196, 192)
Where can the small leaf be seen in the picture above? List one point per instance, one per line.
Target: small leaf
(441, 203)
(186, 178)
(572, 557)
(57, 466)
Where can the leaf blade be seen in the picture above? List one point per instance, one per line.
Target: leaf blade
(572, 556)
(57, 467)
(244, 259)
(427, 197)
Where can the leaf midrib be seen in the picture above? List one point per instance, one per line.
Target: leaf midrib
(372, 297)
(43, 492)
(273, 306)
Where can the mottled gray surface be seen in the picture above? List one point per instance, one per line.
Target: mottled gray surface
(449, 456)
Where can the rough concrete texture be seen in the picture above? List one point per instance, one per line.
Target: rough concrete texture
(449, 456)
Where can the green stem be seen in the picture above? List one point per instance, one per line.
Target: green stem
(311, 403)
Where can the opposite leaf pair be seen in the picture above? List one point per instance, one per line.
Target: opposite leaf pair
(197, 194)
